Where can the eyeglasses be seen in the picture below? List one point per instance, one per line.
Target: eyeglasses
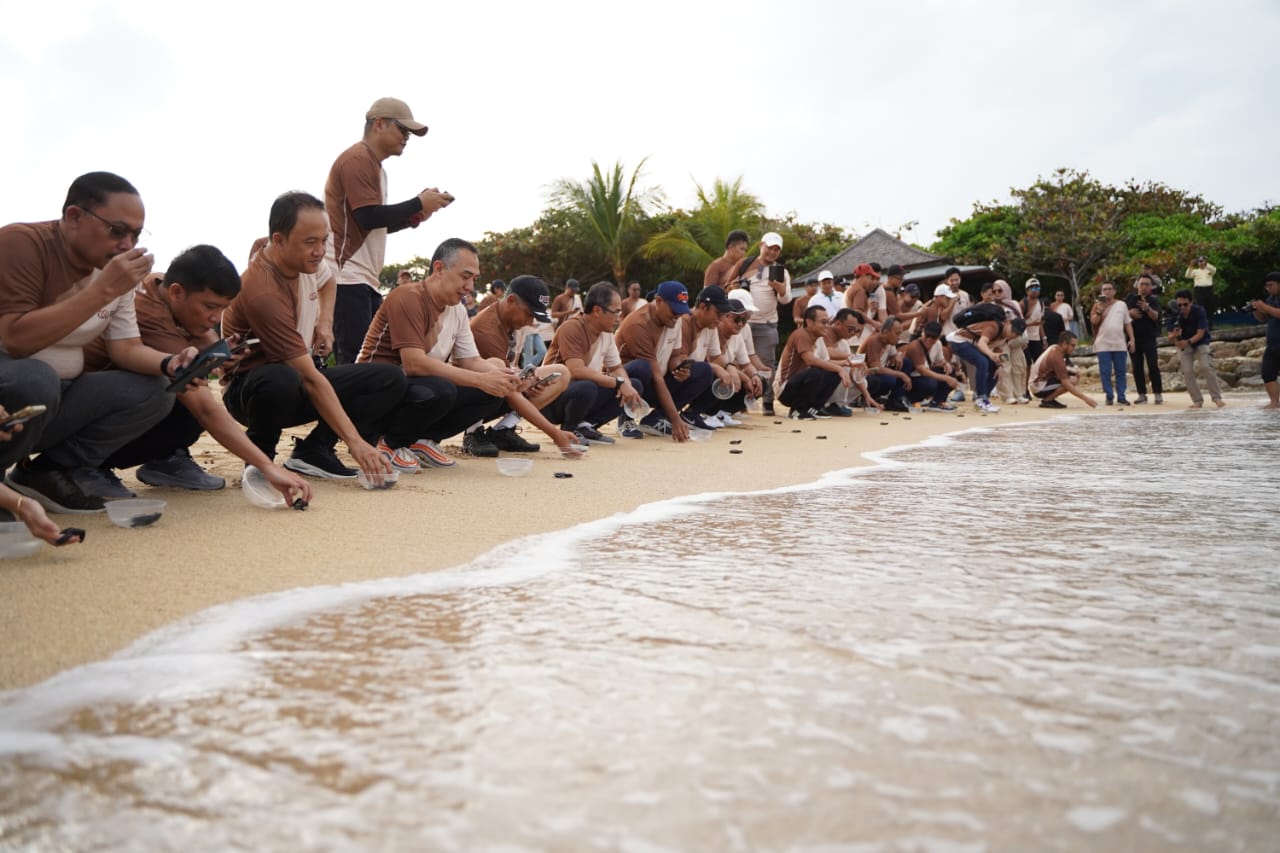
(739, 321)
(118, 230)
(614, 311)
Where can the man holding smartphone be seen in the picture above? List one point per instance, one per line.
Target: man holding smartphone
(770, 286)
(423, 329)
(355, 198)
(182, 310)
(64, 284)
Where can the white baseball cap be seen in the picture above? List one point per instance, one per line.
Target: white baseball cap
(824, 275)
(943, 290)
(771, 239)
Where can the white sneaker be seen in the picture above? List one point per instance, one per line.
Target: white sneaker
(728, 419)
(986, 406)
(713, 421)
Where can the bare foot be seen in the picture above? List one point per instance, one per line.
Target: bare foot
(1272, 406)
(1221, 404)
(1196, 406)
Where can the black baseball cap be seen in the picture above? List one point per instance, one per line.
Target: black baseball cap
(715, 296)
(534, 292)
(895, 270)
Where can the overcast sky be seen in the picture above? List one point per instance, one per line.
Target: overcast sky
(859, 114)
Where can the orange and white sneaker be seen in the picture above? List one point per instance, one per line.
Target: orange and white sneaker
(430, 454)
(401, 458)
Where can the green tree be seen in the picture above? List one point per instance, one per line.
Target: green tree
(608, 211)
(697, 238)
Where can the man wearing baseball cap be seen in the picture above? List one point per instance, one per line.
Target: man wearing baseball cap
(827, 297)
(652, 352)
(770, 286)
(700, 339)
(355, 198)
(499, 331)
(1033, 313)
(858, 296)
(1269, 310)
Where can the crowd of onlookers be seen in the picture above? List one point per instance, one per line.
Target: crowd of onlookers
(104, 364)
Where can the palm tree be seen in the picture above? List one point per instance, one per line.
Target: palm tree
(608, 211)
(698, 238)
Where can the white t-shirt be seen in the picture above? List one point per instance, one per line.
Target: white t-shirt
(766, 299)
(604, 354)
(116, 321)
(455, 340)
(832, 303)
(706, 345)
(1110, 336)
(735, 349)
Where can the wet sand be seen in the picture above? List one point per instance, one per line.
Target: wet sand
(65, 607)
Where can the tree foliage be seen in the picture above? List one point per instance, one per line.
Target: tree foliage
(607, 211)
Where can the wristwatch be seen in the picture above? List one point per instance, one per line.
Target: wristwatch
(617, 383)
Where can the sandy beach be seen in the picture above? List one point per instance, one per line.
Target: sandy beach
(70, 606)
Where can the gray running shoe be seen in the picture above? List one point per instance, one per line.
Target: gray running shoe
(179, 471)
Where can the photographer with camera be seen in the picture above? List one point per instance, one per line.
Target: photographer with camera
(770, 286)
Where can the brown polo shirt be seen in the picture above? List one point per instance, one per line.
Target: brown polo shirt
(792, 361)
(355, 181)
(35, 267)
(267, 309)
(409, 317)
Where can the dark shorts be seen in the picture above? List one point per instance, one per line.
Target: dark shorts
(1270, 364)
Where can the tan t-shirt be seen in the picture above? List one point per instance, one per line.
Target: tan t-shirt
(266, 309)
(356, 180)
(699, 344)
(574, 339)
(1110, 335)
(492, 341)
(409, 317)
(792, 361)
(640, 337)
(766, 299)
(36, 271)
(156, 326)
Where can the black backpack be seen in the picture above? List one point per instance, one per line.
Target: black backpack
(983, 312)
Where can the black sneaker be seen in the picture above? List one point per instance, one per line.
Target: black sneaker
(802, 415)
(101, 482)
(588, 434)
(56, 491)
(316, 460)
(838, 411)
(1052, 404)
(477, 444)
(897, 404)
(509, 440)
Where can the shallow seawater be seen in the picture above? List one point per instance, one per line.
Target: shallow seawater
(1058, 636)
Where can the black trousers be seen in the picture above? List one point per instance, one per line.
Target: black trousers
(1204, 298)
(470, 406)
(809, 389)
(1145, 356)
(179, 429)
(353, 310)
(27, 382)
(271, 397)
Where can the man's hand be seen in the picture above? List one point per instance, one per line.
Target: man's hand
(433, 199)
(6, 435)
(33, 516)
(123, 272)
(627, 393)
(846, 377)
(679, 430)
(499, 383)
(288, 484)
(375, 466)
(566, 441)
(322, 341)
(680, 373)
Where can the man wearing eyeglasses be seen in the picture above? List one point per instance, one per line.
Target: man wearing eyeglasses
(599, 385)
(355, 198)
(64, 284)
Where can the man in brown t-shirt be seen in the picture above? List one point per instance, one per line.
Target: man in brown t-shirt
(858, 297)
(499, 335)
(424, 329)
(567, 304)
(181, 310)
(807, 376)
(651, 350)
(276, 384)
(634, 299)
(599, 386)
(802, 302)
(723, 270)
(355, 197)
(63, 284)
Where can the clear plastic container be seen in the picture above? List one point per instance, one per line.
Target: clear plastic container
(138, 512)
(16, 540)
(514, 467)
(388, 480)
(258, 491)
(637, 410)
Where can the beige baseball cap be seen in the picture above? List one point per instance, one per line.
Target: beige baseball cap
(398, 110)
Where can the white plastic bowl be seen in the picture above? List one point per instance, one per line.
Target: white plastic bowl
(16, 540)
(140, 512)
(699, 434)
(388, 480)
(637, 410)
(514, 467)
(580, 449)
(721, 390)
(258, 491)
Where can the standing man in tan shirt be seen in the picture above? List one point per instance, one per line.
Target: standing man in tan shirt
(770, 286)
(1201, 273)
(355, 197)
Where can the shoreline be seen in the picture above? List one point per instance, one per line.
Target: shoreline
(66, 607)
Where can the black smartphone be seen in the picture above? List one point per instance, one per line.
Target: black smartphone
(23, 415)
(685, 365)
(777, 272)
(545, 381)
(245, 344)
(528, 372)
(205, 361)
